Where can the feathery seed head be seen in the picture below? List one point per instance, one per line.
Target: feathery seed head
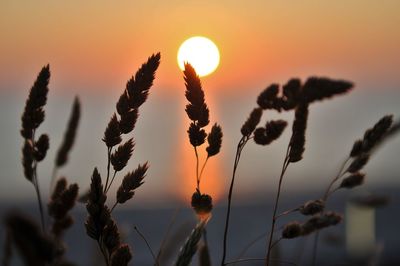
(112, 134)
(214, 140)
(291, 230)
(312, 207)
(41, 147)
(251, 123)
(121, 156)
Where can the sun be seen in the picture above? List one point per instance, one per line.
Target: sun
(201, 53)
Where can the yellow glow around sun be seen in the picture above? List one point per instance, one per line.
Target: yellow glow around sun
(201, 53)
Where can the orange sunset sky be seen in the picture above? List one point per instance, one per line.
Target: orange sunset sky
(93, 48)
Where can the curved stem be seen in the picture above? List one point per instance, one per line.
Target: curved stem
(287, 212)
(239, 149)
(108, 167)
(337, 177)
(148, 245)
(197, 169)
(112, 180)
(113, 207)
(284, 167)
(202, 168)
(37, 189)
(325, 198)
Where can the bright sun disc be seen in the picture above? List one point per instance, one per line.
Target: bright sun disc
(201, 53)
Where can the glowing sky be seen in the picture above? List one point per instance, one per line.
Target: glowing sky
(94, 47)
(91, 43)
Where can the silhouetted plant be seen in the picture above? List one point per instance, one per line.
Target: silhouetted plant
(198, 112)
(99, 225)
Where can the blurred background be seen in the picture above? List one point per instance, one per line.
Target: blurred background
(93, 49)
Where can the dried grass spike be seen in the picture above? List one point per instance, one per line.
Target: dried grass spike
(298, 139)
(371, 201)
(27, 160)
(41, 147)
(201, 203)
(374, 135)
(131, 182)
(59, 188)
(358, 163)
(312, 207)
(112, 134)
(128, 121)
(99, 215)
(291, 94)
(70, 134)
(35, 247)
(268, 99)
(121, 256)
(251, 123)
(111, 238)
(121, 156)
(33, 114)
(197, 109)
(292, 230)
(138, 86)
(357, 148)
(316, 89)
(352, 181)
(197, 136)
(214, 140)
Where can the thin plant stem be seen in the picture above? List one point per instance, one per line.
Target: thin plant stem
(108, 167)
(202, 168)
(148, 245)
(287, 212)
(249, 245)
(169, 228)
(36, 185)
(239, 149)
(276, 242)
(325, 198)
(37, 189)
(339, 174)
(271, 235)
(113, 207)
(197, 169)
(112, 180)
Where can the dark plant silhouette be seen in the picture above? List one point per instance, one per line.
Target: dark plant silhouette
(100, 225)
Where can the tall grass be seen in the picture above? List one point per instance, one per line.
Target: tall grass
(42, 243)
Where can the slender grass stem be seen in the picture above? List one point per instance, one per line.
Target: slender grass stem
(35, 183)
(113, 207)
(197, 169)
(271, 235)
(108, 167)
(325, 198)
(112, 180)
(169, 228)
(202, 168)
(147, 244)
(40, 203)
(239, 149)
(287, 212)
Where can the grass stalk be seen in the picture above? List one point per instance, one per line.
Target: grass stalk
(239, 149)
(274, 218)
